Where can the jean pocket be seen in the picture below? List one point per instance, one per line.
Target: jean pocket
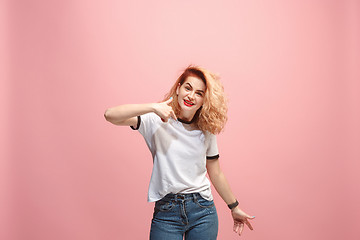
(202, 202)
(164, 206)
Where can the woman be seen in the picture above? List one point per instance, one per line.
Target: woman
(180, 133)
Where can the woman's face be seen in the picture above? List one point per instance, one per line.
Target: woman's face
(190, 96)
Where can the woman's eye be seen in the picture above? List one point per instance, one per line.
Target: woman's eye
(199, 94)
(187, 88)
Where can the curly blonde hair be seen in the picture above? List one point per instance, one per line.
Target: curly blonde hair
(212, 116)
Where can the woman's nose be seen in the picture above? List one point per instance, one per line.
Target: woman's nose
(191, 95)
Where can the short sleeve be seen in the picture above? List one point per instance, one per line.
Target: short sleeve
(212, 151)
(138, 124)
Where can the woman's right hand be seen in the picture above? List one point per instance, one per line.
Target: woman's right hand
(164, 111)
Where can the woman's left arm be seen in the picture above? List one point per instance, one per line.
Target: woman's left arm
(222, 186)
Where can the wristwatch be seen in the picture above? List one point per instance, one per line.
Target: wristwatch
(233, 205)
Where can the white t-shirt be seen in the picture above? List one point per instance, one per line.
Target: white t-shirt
(179, 156)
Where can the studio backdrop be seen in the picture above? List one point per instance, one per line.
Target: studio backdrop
(290, 149)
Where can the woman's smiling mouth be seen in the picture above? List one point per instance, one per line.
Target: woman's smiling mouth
(188, 103)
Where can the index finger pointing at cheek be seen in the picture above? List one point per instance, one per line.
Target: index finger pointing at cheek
(169, 100)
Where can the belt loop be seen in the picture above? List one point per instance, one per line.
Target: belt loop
(194, 196)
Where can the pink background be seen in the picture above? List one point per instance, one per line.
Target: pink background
(290, 149)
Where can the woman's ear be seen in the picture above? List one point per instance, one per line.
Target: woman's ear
(178, 89)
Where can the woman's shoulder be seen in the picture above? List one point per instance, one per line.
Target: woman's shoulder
(208, 134)
(150, 116)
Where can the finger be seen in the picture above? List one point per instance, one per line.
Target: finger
(236, 227)
(249, 225)
(173, 115)
(241, 228)
(169, 100)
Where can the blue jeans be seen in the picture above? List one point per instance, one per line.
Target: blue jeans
(179, 215)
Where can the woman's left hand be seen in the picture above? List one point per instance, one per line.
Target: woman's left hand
(240, 218)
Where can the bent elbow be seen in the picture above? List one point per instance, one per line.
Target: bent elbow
(107, 115)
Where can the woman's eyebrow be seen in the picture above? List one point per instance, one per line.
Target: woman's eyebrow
(196, 90)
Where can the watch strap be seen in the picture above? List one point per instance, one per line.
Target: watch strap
(233, 205)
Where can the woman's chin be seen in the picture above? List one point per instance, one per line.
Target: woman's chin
(188, 113)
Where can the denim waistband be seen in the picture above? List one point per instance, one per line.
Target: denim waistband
(180, 196)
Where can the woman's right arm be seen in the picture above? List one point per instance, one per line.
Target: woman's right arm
(126, 115)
